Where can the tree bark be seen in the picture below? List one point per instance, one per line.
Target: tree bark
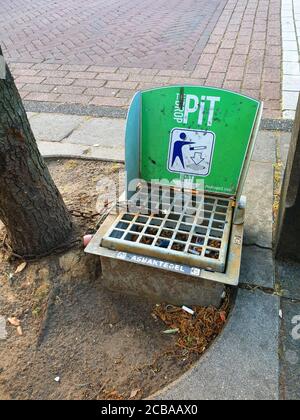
(31, 207)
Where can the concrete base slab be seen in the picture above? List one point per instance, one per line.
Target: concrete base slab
(257, 267)
(159, 285)
(243, 364)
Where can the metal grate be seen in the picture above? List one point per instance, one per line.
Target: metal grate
(173, 226)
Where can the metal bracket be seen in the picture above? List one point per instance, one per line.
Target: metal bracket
(239, 213)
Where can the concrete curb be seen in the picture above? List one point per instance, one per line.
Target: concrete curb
(52, 150)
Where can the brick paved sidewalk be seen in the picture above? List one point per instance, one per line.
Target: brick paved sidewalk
(100, 52)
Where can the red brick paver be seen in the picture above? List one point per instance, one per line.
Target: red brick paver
(131, 33)
(100, 52)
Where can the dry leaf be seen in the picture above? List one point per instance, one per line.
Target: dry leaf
(112, 395)
(134, 393)
(14, 321)
(19, 330)
(21, 267)
(194, 333)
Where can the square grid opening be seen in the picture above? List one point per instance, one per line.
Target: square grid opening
(189, 229)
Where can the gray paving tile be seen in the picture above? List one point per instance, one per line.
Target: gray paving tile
(259, 191)
(106, 132)
(288, 275)
(54, 127)
(265, 147)
(257, 267)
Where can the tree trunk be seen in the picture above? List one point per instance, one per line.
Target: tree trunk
(31, 207)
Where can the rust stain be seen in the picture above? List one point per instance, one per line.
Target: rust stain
(181, 98)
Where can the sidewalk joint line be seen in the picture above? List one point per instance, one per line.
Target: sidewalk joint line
(258, 246)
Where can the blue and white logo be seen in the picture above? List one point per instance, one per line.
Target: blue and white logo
(191, 151)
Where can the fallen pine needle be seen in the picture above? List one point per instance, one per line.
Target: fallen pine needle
(197, 332)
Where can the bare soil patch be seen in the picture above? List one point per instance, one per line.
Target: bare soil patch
(78, 340)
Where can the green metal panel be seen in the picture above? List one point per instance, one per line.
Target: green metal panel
(198, 132)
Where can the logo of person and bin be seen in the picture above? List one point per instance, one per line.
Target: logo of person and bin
(191, 151)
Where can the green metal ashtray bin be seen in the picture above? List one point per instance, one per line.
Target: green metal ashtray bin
(177, 236)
